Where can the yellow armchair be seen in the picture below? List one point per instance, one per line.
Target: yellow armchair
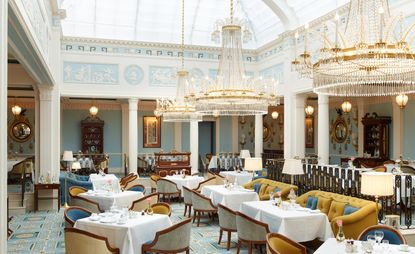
(354, 223)
(268, 185)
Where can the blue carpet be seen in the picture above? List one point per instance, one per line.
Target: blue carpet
(42, 232)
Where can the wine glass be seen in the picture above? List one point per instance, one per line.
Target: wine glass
(271, 195)
(385, 245)
(371, 240)
(379, 236)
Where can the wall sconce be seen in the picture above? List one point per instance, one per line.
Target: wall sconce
(309, 110)
(93, 111)
(346, 106)
(402, 100)
(16, 110)
(274, 115)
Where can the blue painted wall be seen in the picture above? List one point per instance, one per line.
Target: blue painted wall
(225, 134)
(205, 138)
(71, 132)
(185, 137)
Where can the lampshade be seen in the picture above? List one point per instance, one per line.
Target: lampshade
(402, 100)
(76, 165)
(253, 164)
(346, 106)
(93, 110)
(245, 154)
(274, 115)
(377, 184)
(67, 156)
(309, 110)
(16, 110)
(293, 167)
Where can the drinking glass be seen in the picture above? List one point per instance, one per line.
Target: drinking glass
(271, 195)
(372, 240)
(385, 245)
(379, 236)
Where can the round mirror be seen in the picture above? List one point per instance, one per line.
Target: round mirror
(20, 131)
(266, 132)
(339, 130)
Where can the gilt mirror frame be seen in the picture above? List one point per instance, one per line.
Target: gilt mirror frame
(20, 121)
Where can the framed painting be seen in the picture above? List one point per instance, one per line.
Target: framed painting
(151, 132)
(309, 132)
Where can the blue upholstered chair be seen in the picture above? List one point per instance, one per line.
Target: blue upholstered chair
(74, 213)
(391, 234)
(261, 174)
(72, 180)
(137, 187)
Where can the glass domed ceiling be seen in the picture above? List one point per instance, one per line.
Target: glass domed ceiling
(159, 20)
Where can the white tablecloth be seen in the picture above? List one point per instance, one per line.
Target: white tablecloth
(299, 226)
(243, 177)
(128, 237)
(121, 199)
(332, 246)
(229, 198)
(190, 182)
(107, 182)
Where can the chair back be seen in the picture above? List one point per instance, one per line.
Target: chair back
(220, 180)
(142, 203)
(86, 203)
(125, 178)
(202, 203)
(76, 190)
(166, 186)
(173, 239)
(187, 195)
(161, 208)
(250, 229)
(163, 173)
(379, 169)
(391, 234)
(227, 217)
(137, 187)
(210, 174)
(210, 181)
(279, 244)
(130, 182)
(172, 172)
(79, 241)
(408, 169)
(153, 180)
(74, 213)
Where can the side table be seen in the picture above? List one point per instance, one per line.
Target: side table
(47, 186)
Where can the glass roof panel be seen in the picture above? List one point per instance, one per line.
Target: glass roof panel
(160, 20)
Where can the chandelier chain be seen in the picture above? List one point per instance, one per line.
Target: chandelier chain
(182, 42)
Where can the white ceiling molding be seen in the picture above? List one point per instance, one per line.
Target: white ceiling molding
(284, 12)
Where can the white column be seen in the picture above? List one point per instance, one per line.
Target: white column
(3, 125)
(46, 125)
(217, 135)
(37, 133)
(361, 111)
(288, 126)
(124, 127)
(132, 134)
(235, 140)
(323, 129)
(259, 133)
(299, 137)
(397, 123)
(178, 136)
(194, 146)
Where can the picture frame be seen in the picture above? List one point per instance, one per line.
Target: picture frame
(151, 132)
(309, 132)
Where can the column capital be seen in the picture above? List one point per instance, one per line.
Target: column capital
(133, 104)
(45, 92)
(323, 99)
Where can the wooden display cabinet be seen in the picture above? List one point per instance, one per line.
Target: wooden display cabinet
(172, 161)
(92, 135)
(376, 136)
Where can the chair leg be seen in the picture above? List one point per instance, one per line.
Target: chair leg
(228, 246)
(187, 251)
(198, 219)
(220, 235)
(194, 216)
(249, 248)
(185, 210)
(238, 247)
(190, 211)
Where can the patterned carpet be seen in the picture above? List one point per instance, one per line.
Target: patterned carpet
(42, 232)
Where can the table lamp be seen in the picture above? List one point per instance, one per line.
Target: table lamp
(243, 155)
(293, 167)
(67, 156)
(253, 164)
(377, 184)
(76, 165)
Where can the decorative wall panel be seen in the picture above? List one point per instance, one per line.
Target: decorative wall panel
(133, 74)
(275, 71)
(162, 76)
(90, 73)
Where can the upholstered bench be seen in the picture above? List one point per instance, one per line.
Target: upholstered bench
(356, 214)
(264, 186)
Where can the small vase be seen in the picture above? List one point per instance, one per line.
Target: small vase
(149, 211)
(340, 235)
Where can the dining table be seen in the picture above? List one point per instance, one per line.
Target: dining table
(108, 182)
(107, 199)
(241, 177)
(128, 236)
(190, 182)
(331, 245)
(229, 197)
(295, 222)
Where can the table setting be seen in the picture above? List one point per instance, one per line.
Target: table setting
(374, 244)
(290, 219)
(237, 177)
(108, 182)
(229, 195)
(106, 199)
(126, 230)
(181, 180)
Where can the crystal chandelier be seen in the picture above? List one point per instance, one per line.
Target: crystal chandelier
(232, 92)
(368, 59)
(178, 109)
